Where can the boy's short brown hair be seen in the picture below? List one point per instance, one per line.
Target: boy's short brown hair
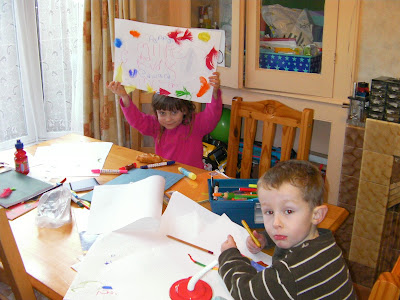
(299, 173)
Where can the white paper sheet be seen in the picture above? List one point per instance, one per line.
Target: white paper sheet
(70, 159)
(115, 206)
(137, 263)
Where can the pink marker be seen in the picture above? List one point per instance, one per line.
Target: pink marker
(109, 171)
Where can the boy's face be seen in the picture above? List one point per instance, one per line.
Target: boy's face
(288, 218)
(170, 119)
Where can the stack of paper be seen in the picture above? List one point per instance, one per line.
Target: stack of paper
(138, 261)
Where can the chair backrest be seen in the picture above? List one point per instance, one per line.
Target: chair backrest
(13, 271)
(387, 286)
(271, 113)
(139, 98)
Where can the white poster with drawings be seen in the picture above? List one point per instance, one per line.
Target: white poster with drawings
(167, 60)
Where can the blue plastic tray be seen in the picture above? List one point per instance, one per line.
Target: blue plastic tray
(236, 210)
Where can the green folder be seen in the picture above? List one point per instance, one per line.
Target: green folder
(26, 187)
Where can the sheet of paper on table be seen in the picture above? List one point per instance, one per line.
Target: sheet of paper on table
(70, 159)
(138, 261)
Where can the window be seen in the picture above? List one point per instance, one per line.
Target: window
(40, 53)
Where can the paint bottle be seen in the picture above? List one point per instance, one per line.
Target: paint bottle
(21, 159)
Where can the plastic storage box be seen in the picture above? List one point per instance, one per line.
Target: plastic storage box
(237, 210)
(290, 62)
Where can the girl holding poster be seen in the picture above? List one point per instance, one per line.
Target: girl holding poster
(176, 128)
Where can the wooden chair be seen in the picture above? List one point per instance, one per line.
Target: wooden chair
(387, 286)
(270, 113)
(139, 98)
(13, 271)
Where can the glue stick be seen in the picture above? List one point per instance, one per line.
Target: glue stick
(185, 172)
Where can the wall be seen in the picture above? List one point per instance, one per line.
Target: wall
(379, 40)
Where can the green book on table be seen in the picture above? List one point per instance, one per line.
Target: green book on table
(26, 187)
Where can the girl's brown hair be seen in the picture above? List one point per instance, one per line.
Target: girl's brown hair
(162, 102)
(299, 173)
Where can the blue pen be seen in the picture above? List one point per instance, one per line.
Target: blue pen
(164, 163)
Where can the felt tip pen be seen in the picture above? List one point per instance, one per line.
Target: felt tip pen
(187, 173)
(255, 240)
(252, 185)
(76, 200)
(164, 163)
(109, 171)
(227, 195)
(243, 189)
(128, 167)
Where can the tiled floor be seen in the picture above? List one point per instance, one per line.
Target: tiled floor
(7, 294)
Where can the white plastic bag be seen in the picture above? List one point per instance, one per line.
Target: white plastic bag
(289, 23)
(54, 208)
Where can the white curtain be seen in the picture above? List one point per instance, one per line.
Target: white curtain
(40, 70)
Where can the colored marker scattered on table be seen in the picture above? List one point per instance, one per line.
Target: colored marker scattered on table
(128, 167)
(255, 240)
(164, 163)
(109, 171)
(187, 173)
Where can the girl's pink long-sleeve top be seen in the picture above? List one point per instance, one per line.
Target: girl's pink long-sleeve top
(178, 144)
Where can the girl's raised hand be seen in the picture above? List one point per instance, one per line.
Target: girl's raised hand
(214, 82)
(117, 88)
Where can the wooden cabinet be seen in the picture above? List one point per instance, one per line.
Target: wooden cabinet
(340, 20)
(332, 84)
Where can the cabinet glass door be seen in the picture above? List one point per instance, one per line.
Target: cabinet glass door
(228, 16)
(290, 45)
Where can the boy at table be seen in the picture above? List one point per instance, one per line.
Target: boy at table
(307, 262)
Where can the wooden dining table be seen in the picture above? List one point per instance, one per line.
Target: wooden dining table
(49, 253)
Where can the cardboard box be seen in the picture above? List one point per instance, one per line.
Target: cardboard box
(291, 62)
(237, 210)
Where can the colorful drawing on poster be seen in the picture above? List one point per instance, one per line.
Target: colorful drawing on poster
(166, 59)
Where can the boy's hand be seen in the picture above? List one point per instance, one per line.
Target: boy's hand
(229, 243)
(252, 246)
(214, 82)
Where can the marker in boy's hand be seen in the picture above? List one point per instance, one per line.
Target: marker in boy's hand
(251, 246)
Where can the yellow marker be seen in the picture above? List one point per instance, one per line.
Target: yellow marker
(257, 242)
(252, 185)
(185, 172)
